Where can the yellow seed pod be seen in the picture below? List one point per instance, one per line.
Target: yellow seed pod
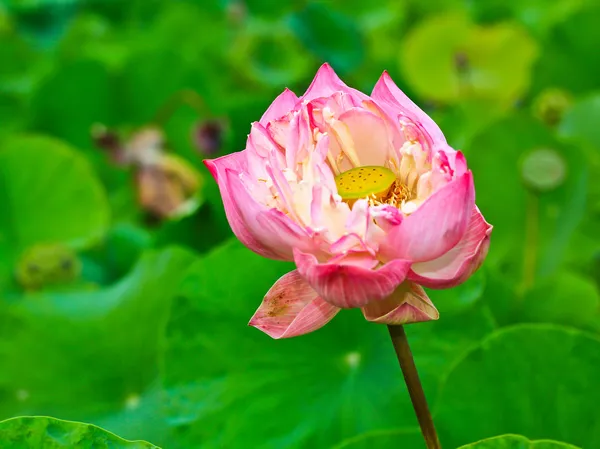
(362, 182)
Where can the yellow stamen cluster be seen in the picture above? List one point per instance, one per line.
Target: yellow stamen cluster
(396, 195)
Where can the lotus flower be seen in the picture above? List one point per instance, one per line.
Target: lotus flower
(363, 194)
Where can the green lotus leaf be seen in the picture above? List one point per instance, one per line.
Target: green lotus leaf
(383, 439)
(567, 298)
(447, 58)
(516, 442)
(579, 125)
(527, 379)
(77, 95)
(270, 54)
(580, 122)
(570, 59)
(51, 433)
(537, 15)
(460, 298)
(49, 194)
(92, 355)
(525, 219)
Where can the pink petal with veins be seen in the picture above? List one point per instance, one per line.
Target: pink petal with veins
(291, 308)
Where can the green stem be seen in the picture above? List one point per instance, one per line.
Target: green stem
(415, 389)
(531, 242)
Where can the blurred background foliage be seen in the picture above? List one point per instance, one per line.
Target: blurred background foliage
(124, 299)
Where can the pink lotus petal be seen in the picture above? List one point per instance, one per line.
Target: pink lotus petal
(235, 162)
(393, 100)
(277, 239)
(458, 264)
(279, 131)
(457, 161)
(361, 222)
(394, 131)
(291, 308)
(260, 149)
(299, 139)
(441, 172)
(369, 134)
(387, 217)
(436, 226)
(262, 142)
(283, 189)
(284, 103)
(284, 233)
(349, 286)
(408, 304)
(326, 83)
(348, 243)
(355, 258)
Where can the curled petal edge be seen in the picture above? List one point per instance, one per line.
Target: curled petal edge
(408, 304)
(392, 99)
(284, 103)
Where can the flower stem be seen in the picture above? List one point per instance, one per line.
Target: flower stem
(531, 242)
(415, 389)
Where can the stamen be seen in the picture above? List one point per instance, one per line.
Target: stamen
(396, 195)
(333, 164)
(392, 164)
(338, 161)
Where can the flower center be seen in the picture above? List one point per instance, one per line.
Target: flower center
(379, 185)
